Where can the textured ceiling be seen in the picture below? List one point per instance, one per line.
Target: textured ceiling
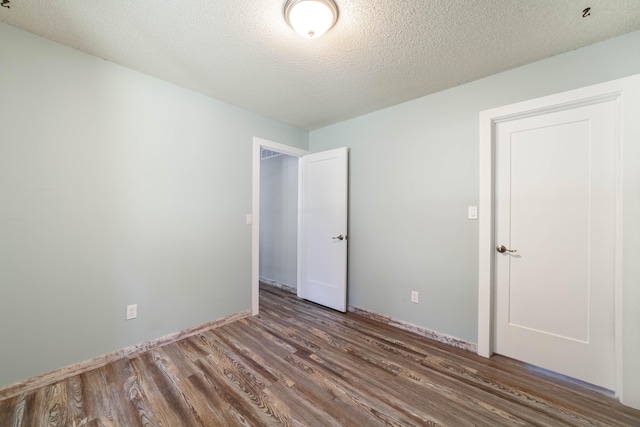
(380, 53)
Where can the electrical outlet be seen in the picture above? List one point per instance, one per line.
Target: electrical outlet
(132, 311)
(414, 297)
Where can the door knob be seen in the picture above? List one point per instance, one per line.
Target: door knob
(340, 237)
(502, 249)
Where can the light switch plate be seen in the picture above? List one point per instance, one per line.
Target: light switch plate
(473, 212)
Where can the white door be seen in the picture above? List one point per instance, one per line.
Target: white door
(555, 209)
(323, 228)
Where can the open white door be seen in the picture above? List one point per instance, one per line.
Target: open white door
(323, 228)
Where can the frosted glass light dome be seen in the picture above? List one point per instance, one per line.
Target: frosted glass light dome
(311, 18)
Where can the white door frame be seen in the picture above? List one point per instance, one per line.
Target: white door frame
(258, 144)
(486, 253)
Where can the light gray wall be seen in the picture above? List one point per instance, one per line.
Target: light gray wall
(414, 171)
(279, 219)
(115, 188)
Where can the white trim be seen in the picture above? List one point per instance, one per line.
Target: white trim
(410, 327)
(34, 383)
(593, 94)
(619, 243)
(299, 257)
(486, 238)
(258, 144)
(282, 286)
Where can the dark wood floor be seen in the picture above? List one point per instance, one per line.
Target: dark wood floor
(298, 364)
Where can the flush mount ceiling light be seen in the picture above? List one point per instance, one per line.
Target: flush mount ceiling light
(311, 18)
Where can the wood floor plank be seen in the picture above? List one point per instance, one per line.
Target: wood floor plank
(319, 391)
(207, 401)
(507, 393)
(300, 364)
(176, 361)
(363, 351)
(370, 379)
(98, 407)
(50, 407)
(238, 359)
(245, 403)
(165, 400)
(17, 411)
(297, 410)
(127, 399)
(75, 402)
(377, 409)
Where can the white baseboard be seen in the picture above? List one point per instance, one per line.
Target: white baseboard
(275, 284)
(132, 351)
(97, 362)
(428, 333)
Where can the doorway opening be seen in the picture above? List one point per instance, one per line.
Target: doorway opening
(278, 220)
(282, 159)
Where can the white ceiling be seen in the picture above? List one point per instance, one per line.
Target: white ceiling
(380, 53)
